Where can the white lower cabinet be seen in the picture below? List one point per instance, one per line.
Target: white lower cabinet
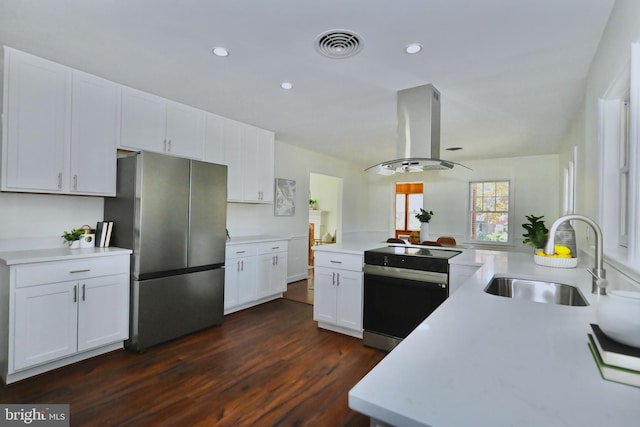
(255, 272)
(272, 268)
(338, 283)
(63, 311)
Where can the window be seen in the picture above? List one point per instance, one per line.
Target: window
(489, 214)
(409, 197)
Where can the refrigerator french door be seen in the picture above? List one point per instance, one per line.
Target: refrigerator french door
(172, 213)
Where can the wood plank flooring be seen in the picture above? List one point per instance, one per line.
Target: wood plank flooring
(266, 366)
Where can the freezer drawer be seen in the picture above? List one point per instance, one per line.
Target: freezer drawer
(170, 307)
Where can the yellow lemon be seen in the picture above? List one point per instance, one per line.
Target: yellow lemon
(562, 250)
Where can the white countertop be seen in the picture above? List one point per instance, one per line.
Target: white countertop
(240, 240)
(57, 254)
(485, 360)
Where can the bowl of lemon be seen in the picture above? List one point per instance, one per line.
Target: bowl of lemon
(562, 258)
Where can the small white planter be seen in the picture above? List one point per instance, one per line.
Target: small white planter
(75, 244)
(424, 231)
(618, 316)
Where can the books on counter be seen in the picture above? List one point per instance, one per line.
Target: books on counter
(616, 362)
(103, 233)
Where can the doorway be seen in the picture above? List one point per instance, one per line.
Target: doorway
(325, 215)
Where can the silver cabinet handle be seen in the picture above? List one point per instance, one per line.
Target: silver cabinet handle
(80, 271)
(59, 180)
(333, 281)
(240, 252)
(338, 279)
(169, 145)
(336, 262)
(275, 247)
(242, 264)
(276, 259)
(75, 182)
(84, 292)
(75, 293)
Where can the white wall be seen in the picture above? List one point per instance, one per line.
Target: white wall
(535, 182)
(38, 220)
(608, 68)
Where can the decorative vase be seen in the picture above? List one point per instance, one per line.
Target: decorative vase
(424, 231)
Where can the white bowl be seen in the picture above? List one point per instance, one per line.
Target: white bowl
(618, 315)
(555, 262)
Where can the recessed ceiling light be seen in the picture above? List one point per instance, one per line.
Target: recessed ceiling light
(413, 48)
(286, 85)
(220, 51)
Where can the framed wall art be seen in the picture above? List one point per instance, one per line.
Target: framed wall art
(285, 198)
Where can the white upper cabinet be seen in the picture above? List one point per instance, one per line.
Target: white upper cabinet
(213, 139)
(95, 119)
(185, 130)
(36, 132)
(153, 123)
(249, 153)
(61, 128)
(259, 175)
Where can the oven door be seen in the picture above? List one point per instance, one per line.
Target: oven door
(396, 301)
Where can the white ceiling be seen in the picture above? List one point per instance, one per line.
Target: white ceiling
(511, 72)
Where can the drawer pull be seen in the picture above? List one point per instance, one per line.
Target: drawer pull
(240, 252)
(275, 247)
(336, 262)
(80, 271)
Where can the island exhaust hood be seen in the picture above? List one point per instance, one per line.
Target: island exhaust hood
(418, 144)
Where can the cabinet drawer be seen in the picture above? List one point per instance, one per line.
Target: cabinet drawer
(338, 260)
(240, 251)
(273, 247)
(77, 269)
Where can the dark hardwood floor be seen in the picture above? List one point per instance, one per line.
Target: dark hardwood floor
(266, 366)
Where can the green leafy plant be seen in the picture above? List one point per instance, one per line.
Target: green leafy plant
(424, 216)
(73, 235)
(537, 234)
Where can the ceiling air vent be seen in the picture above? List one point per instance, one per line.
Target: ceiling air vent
(338, 44)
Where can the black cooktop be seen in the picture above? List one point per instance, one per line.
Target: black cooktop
(413, 251)
(409, 257)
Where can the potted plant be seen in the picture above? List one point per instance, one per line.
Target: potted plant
(424, 217)
(313, 204)
(537, 234)
(72, 238)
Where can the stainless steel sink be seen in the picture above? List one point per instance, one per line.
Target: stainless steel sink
(536, 290)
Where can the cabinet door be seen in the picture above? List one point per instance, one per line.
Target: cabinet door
(231, 134)
(37, 108)
(94, 135)
(266, 266)
(349, 299)
(265, 168)
(185, 130)
(45, 323)
(213, 139)
(258, 166)
(280, 273)
(143, 121)
(103, 311)
(231, 280)
(247, 280)
(325, 295)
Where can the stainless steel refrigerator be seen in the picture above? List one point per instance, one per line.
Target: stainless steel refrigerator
(172, 213)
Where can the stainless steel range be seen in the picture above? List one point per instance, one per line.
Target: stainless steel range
(402, 286)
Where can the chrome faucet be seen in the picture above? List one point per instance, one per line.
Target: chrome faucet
(598, 273)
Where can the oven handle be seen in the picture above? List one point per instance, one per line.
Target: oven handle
(405, 273)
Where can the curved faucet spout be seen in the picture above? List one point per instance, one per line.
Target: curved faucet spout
(598, 283)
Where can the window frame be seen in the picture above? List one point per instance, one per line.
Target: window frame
(510, 212)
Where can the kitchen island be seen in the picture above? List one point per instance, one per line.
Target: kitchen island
(485, 360)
